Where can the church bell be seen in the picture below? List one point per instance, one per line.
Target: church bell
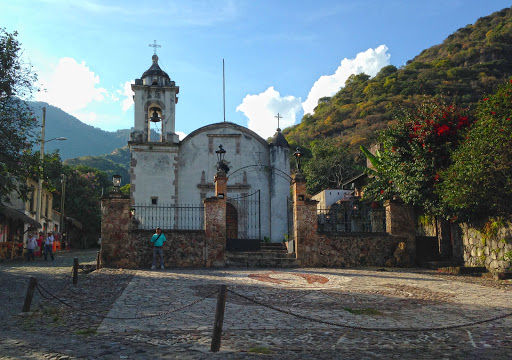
(154, 117)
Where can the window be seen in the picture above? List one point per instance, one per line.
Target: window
(154, 200)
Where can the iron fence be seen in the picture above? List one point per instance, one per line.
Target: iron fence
(349, 220)
(169, 217)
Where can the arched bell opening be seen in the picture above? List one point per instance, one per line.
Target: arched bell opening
(154, 120)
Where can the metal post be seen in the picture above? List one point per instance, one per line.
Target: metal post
(30, 293)
(259, 214)
(97, 261)
(219, 318)
(40, 177)
(75, 271)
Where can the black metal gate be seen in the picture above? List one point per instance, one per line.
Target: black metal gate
(247, 210)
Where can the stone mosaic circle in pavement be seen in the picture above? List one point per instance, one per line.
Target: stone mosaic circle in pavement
(389, 299)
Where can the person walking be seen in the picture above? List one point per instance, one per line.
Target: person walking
(48, 247)
(158, 241)
(31, 245)
(40, 243)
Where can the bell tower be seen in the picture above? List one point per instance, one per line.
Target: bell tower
(155, 102)
(153, 166)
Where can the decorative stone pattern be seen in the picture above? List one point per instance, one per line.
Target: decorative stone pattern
(488, 252)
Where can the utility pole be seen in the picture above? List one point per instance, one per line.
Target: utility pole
(40, 177)
(62, 197)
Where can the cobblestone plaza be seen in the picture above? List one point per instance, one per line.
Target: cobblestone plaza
(370, 313)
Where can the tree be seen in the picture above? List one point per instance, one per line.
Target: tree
(329, 166)
(414, 153)
(478, 185)
(17, 123)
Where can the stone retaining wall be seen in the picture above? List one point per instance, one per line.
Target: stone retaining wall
(125, 247)
(356, 250)
(488, 251)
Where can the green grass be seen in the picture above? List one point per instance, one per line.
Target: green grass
(363, 311)
(260, 350)
(85, 332)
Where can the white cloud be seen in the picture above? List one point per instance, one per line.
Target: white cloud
(127, 93)
(369, 62)
(261, 110)
(71, 86)
(181, 135)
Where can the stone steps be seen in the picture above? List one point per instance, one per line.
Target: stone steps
(440, 264)
(261, 259)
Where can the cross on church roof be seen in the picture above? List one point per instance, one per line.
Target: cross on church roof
(154, 46)
(278, 116)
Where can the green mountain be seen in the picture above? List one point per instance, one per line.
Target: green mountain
(117, 162)
(467, 65)
(82, 139)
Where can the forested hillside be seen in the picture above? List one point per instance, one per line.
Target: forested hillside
(117, 162)
(470, 63)
(82, 139)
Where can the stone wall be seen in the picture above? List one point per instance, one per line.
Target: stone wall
(356, 250)
(124, 247)
(316, 249)
(488, 251)
(185, 248)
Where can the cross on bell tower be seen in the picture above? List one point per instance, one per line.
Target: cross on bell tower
(154, 46)
(278, 116)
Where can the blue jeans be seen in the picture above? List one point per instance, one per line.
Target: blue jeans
(48, 248)
(30, 254)
(157, 250)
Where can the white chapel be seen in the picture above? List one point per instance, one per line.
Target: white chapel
(170, 177)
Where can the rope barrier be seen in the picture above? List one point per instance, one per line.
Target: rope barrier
(303, 317)
(162, 313)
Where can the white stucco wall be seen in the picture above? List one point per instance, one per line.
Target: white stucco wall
(328, 197)
(280, 191)
(152, 172)
(247, 155)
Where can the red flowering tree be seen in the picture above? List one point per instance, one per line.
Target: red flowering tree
(414, 153)
(478, 185)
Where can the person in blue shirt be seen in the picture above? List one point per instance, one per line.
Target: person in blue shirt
(158, 240)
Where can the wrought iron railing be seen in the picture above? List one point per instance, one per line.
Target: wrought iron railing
(346, 220)
(169, 217)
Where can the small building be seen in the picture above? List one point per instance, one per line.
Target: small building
(328, 197)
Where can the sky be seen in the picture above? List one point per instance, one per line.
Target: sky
(280, 56)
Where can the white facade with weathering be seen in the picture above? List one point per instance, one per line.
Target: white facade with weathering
(173, 173)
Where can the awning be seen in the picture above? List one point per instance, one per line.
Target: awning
(14, 214)
(74, 222)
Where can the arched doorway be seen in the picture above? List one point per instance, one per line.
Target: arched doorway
(231, 221)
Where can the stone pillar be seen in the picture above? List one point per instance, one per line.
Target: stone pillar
(304, 223)
(221, 185)
(400, 222)
(115, 225)
(215, 231)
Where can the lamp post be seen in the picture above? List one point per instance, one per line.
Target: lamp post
(221, 165)
(298, 156)
(41, 158)
(116, 181)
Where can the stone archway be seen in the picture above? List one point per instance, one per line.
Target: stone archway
(231, 221)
